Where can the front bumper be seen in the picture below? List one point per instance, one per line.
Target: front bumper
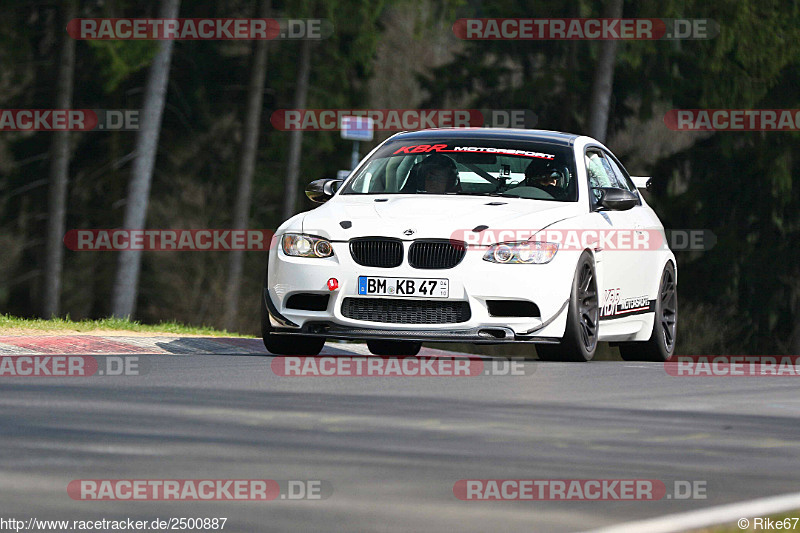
(473, 280)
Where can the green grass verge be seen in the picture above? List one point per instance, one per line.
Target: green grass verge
(8, 322)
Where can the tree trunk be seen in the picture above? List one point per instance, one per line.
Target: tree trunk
(59, 175)
(126, 284)
(247, 163)
(600, 101)
(296, 136)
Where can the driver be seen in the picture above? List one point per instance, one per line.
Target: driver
(543, 175)
(438, 174)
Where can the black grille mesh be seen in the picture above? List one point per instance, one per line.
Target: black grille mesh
(436, 254)
(373, 252)
(406, 311)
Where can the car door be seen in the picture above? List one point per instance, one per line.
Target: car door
(647, 228)
(622, 276)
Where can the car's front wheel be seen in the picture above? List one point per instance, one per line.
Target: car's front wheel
(286, 344)
(661, 344)
(580, 337)
(385, 347)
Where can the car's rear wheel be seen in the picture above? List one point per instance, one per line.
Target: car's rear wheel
(661, 344)
(385, 347)
(580, 337)
(286, 344)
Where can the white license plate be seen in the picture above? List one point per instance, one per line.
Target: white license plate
(429, 288)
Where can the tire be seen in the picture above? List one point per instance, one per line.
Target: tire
(661, 344)
(286, 344)
(381, 347)
(580, 336)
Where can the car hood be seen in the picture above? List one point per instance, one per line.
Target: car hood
(348, 216)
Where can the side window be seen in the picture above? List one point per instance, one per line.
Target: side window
(623, 178)
(599, 172)
(612, 176)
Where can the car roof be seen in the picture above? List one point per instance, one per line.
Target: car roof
(507, 134)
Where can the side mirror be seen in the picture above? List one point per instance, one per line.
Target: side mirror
(617, 199)
(320, 191)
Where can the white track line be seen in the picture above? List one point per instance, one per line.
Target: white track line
(708, 517)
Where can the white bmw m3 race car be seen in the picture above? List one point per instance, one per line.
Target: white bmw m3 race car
(476, 235)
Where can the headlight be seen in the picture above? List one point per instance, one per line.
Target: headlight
(298, 245)
(525, 252)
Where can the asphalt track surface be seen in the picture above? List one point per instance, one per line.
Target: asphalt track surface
(391, 448)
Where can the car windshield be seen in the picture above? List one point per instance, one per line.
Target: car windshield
(533, 170)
